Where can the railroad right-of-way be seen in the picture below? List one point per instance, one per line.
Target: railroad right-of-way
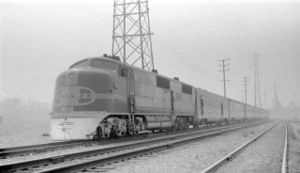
(293, 164)
(193, 157)
(90, 158)
(268, 154)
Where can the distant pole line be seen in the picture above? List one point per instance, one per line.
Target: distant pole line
(224, 68)
(245, 83)
(265, 98)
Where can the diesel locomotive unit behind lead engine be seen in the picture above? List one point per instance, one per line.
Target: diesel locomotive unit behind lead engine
(102, 97)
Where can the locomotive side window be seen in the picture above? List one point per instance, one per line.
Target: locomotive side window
(98, 63)
(162, 82)
(187, 89)
(122, 71)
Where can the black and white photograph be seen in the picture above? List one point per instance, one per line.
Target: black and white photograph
(150, 86)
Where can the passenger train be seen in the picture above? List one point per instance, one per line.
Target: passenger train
(102, 97)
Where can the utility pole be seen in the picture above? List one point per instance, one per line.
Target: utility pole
(245, 83)
(276, 102)
(131, 33)
(266, 99)
(224, 68)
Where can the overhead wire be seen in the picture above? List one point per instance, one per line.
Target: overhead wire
(75, 6)
(222, 23)
(184, 41)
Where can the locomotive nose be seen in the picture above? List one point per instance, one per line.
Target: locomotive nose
(97, 81)
(75, 88)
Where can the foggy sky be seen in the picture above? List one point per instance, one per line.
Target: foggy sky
(40, 39)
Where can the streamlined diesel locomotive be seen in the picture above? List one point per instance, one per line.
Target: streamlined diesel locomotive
(103, 97)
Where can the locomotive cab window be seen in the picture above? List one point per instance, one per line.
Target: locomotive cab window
(162, 82)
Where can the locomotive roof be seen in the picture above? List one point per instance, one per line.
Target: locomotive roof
(89, 59)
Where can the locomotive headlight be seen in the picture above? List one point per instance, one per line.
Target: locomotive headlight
(71, 76)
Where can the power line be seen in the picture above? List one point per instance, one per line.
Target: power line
(179, 34)
(84, 10)
(229, 34)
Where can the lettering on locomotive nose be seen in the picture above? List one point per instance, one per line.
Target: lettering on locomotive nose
(73, 96)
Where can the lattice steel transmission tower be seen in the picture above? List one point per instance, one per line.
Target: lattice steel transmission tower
(257, 89)
(131, 33)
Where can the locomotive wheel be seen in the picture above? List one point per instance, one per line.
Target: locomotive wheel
(107, 132)
(98, 134)
(131, 131)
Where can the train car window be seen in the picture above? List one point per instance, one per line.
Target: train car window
(82, 63)
(103, 64)
(202, 104)
(187, 89)
(162, 82)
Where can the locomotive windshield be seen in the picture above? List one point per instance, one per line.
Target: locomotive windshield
(81, 63)
(103, 64)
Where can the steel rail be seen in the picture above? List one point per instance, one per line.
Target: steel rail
(23, 150)
(284, 168)
(116, 152)
(233, 153)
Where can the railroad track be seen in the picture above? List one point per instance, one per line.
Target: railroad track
(284, 165)
(229, 157)
(90, 160)
(24, 151)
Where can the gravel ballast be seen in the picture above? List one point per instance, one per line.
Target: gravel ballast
(192, 157)
(264, 155)
(294, 148)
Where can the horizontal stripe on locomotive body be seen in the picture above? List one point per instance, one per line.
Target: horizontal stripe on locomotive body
(85, 114)
(111, 96)
(109, 105)
(213, 118)
(146, 110)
